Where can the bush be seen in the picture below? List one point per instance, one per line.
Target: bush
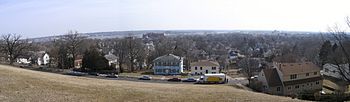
(147, 73)
(94, 60)
(308, 95)
(256, 85)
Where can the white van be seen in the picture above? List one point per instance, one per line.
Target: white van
(212, 78)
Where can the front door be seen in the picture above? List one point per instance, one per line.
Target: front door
(206, 71)
(167, 71)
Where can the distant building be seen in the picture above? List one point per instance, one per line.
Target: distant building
(291, 78)
(205, 67)
(112, 60)
(40, 58)
(332, 70)
(44, 59)
(153, 36)
(78, 62)
(168, 65)
(25, 59)
(233, 56)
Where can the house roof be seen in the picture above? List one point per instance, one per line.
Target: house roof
(39, 54)
(272, 77)
(168, 57)
(294, 82)
(296, 68)
(111, 57)
(205, 63)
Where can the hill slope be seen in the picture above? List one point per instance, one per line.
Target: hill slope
(26, 85)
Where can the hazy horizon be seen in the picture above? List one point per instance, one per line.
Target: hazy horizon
(37, 18)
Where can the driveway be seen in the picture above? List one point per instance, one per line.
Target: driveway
(237, 80)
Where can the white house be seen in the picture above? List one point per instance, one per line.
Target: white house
(333, 70)
(43, 58)
(112, 60)
(23, 60)
(205, 67)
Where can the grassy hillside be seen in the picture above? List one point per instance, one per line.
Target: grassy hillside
(18, 85)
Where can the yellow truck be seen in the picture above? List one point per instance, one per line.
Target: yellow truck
(212, 78)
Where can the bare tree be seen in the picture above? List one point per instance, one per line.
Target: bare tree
(13, 46)
(342, 39)
(120, 51)
(73, 42)
(134, 50)
(248, 66)
(60, 54)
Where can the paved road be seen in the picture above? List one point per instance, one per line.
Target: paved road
(231, 81)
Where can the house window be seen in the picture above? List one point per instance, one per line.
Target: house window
(307, 74)
(294, 76)
(317, 82)
(289, 88)
(213, 72)
(315, 73)
(195, 68)
(278, 88)
(206, 71)
(213, 68)
(296, 86)
(201, 68)
(195, 73)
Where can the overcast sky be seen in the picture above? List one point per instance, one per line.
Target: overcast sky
(34, 18)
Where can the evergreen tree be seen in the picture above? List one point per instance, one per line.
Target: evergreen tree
(94, 60)
(325, 51)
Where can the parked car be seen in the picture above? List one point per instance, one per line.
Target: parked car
(102, 75)
(112, 76)
(93, 73)
(175, 79)
(189, 80)
(76, 73)
(145, 77)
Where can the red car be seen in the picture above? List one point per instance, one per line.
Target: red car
(175, 79)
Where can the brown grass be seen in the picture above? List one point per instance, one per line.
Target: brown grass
(18, 85)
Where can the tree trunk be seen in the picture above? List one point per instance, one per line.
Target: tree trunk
(132, 65)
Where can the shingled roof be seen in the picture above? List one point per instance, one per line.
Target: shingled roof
(296, 68)
(272, 77)
(205, 63)
(168, 57)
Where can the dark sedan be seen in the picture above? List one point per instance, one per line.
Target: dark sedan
(189, 80)
(175, 79)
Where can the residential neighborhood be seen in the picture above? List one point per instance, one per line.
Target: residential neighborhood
(167, 60)
(174, 51)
